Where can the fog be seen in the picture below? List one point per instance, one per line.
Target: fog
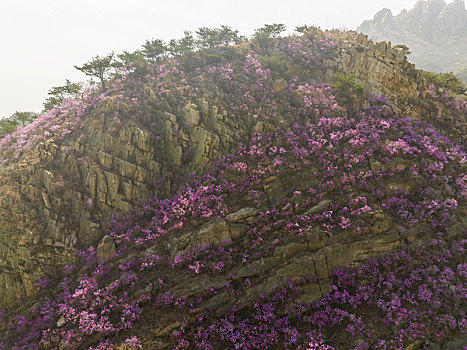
(41, 40)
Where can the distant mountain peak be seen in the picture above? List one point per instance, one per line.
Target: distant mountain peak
(424, 18)
(434, 30)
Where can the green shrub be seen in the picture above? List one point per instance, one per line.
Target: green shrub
(403, 47)
(346, 83)
(446, 81)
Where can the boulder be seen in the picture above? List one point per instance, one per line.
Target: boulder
(105, 249)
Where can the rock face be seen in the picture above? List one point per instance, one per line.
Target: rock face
(71, 195)
(315, 258)
(384, 70)
(434, 31)
(58, 198)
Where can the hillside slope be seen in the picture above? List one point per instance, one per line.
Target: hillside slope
(263, 180)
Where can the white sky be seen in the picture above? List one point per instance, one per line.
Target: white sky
(41, 40)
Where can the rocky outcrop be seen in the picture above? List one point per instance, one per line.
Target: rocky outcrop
(382, 70)
(314, 258)
(75, 187)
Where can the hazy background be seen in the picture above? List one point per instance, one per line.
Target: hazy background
(41, 40)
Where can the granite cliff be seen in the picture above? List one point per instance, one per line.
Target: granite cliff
(223, 177)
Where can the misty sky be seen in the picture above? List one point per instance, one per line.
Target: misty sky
(41, 40)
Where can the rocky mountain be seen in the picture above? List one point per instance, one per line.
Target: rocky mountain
(306, 192)
(435, 32)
